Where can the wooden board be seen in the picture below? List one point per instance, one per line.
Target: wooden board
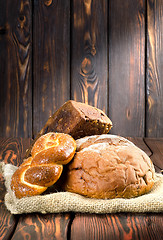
(7, 224)
(15, 69)
(89, 53)
(117, 226)
(154, 76)
(12, 151)
(126, 67)
(104, 53)
(42, 226)
(51, 80)
(156, 147)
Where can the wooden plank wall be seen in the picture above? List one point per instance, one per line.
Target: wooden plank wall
(103, 53)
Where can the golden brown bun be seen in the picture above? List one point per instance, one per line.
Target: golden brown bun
(44, 167)
(109, 166)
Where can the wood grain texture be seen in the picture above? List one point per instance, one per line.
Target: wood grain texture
(12, 151)
(51, 80)
(117, 226)
(7, 223)
(40, 226)
(2, 18)
(15, 69)
(156, 147)
(89, 53)
(154, 76)
(127, 67)
(7, 220)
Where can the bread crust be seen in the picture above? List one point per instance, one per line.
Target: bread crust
(76, 119)
(40, 171)
(109, 166)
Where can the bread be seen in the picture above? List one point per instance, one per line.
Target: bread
(78, 120)
(40, 171)
(108, 166)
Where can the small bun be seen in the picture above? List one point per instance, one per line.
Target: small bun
(108, 166)
(44, 167)
(53, 147)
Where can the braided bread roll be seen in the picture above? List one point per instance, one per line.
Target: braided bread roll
(40, 171)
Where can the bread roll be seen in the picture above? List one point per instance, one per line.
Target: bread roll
(109, 166)
(44, 167)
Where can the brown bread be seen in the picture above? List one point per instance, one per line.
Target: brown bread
(78, 120)
(108, 166)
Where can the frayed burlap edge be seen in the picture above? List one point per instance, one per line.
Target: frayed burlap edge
(70, 202)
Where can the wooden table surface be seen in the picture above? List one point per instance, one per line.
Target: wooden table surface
(76, 225)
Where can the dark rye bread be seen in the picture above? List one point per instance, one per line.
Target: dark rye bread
(78, 120)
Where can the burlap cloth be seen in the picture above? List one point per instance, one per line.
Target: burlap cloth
(70, 202)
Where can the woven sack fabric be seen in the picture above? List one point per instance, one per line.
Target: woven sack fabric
(71, 202)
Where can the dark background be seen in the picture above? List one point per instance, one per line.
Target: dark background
(108, 54)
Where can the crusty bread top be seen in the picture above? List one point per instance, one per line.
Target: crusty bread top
(109, 166)
(104, 138)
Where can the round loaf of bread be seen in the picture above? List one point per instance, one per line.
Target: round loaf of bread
(109, 166)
